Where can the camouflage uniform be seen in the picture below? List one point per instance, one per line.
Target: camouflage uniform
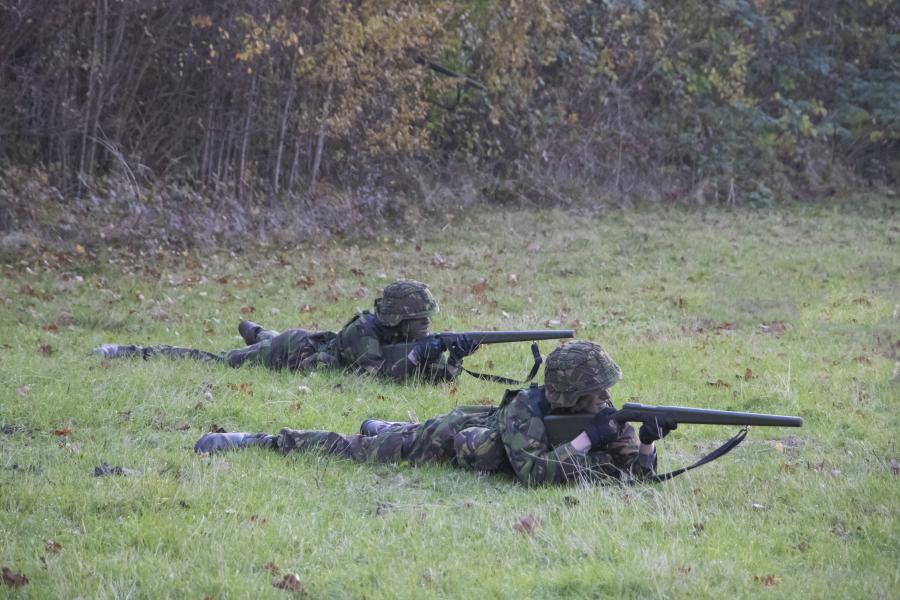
(357, 346)
(510, 438)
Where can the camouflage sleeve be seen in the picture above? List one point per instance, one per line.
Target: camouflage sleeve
(361, 350)
(536, 463)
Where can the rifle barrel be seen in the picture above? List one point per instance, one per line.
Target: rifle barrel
(502, 337)
(566, 427)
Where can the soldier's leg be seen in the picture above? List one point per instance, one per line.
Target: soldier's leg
(178, 352)
(253, 332)
(390, 445)
(259, 353)
(128, 351)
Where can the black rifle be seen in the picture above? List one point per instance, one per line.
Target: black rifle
(565, 428)
(394, 353)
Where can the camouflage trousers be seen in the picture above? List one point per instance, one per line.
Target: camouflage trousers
(465, 437)
(295, 349)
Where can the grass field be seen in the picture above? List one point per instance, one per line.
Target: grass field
(789, 312)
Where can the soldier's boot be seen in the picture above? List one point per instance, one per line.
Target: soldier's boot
(372, 427)
(118, 351)
(249, 331)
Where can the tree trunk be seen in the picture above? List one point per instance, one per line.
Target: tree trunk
(320, 140)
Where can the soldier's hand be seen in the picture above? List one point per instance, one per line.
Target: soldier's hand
(603, 429)
(656, 428)
(463, 346)
(429, 350)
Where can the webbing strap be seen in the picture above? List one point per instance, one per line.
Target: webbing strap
(718, 452)
(538, 360)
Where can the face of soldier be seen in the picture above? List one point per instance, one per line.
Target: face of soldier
(414, 329)
(593, 402)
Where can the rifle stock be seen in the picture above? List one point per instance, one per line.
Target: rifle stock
(564, 428)
(396, 352)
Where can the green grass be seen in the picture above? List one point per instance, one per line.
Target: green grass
(681, 299)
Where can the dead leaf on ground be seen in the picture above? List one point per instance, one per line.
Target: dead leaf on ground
(207, 391)
(357, 271)
(46, 350)
(290, 582)
(13, 579)
(895, 466)
(480, 287)
(64, 319)
(305, 281)
(246, 310)
(685, 569)
(63, 431)
(24, 390)
(527, 524)
(698, 528)
(362, 292)
(244, 388)
(384, 508)
(726, 327)
(696, 325)
(779, 447)
(52, 546)
(453, 389)
(437, 260)
(182, 426)
(308, 309)
(766, 580)
(52, 328)
(748, 374)
(485, 401)
(272, 568)
(775, 327)
(718, 383)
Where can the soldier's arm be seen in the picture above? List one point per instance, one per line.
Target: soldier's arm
(536, 463)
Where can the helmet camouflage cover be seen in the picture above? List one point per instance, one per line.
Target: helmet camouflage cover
(405, 299)
(575, 369)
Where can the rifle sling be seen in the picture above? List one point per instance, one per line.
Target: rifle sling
(718, 452)
(538, 360)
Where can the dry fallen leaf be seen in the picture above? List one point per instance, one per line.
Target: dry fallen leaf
(24, 390)
(52, 546)
(527, 524)
(779, 447)
(13, 579)
(64, 319)
(766, 580)
(775, 327)
(272, 568)
(479, 288)
(62, 431)
(246, 310)
(290, 582)
(748, 374)
(305, 281)
(895, 466)
(718, 383)
(46, 350)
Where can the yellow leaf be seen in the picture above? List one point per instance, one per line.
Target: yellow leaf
(80, 249)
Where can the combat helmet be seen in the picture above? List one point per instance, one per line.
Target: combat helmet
(575, 369)
(405, 299)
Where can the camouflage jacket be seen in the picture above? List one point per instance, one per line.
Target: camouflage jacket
(359, 347)
(516, 432)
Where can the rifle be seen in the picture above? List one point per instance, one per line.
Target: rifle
(393, 353)
(564, 428)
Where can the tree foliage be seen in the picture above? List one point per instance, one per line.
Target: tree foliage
(668, 98)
